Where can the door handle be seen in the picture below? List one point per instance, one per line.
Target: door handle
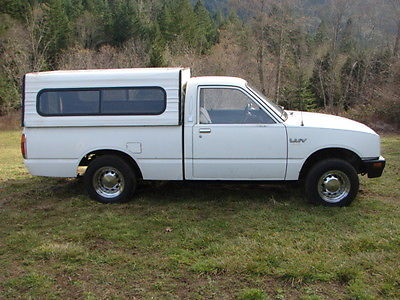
(205, 130)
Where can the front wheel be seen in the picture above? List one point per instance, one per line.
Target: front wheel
(332, 182)
(109, 179)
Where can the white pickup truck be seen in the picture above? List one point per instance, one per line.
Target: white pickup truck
(127, 125)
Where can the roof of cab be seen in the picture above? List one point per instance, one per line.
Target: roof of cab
(219, 80)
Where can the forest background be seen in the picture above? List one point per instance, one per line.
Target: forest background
(336, 56)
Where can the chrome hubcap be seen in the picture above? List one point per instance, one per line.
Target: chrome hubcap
(334, 186)
(108, 182)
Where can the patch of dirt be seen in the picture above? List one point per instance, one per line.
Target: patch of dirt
(11, 121)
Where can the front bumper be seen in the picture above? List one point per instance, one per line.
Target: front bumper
(374, 168)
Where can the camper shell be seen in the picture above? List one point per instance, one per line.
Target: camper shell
(169, 81)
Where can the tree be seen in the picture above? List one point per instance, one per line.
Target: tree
(178, 21)
(272, 26)
(347, 43)
(322, 81)
(219, 18)
(335, 12)
(157, 51)
(20, 52)
(321, 35)
(299, 97)
(352, 79)
(123, 21)
(57, 30)
(15, 8)
(396, 13)
(206, 30)
(191, 27)
(88, 31)
(166, 23)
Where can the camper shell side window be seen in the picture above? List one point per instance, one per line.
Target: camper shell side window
(102, 101)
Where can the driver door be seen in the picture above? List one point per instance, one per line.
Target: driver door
(235, 138)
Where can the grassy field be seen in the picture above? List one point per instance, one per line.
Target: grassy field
(196, 241)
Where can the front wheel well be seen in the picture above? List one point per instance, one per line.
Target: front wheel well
(88, 158)
(322, 154)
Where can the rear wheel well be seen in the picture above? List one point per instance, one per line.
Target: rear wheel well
(88, 158)
(339, 153)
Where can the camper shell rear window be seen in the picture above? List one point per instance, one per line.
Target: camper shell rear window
(102, 101)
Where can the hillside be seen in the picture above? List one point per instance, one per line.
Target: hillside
(339, 56)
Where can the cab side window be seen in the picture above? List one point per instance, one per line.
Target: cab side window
(230, 106)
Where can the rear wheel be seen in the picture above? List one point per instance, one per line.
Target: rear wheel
(332, 182)
(109, 179)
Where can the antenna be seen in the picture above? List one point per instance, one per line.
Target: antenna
(302, 121)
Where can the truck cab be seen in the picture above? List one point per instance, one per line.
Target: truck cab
(235, 135)
(123, 126)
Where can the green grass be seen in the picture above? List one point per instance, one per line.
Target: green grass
(196, 241)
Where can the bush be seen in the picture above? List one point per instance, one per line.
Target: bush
(10, 98)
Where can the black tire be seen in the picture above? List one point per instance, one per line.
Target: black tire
(332, 182)
(109, 179)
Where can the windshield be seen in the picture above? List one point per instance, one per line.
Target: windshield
(276, 108)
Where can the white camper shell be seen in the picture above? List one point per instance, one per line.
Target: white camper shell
(126, 125)
(169, 80)
(61, 138)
